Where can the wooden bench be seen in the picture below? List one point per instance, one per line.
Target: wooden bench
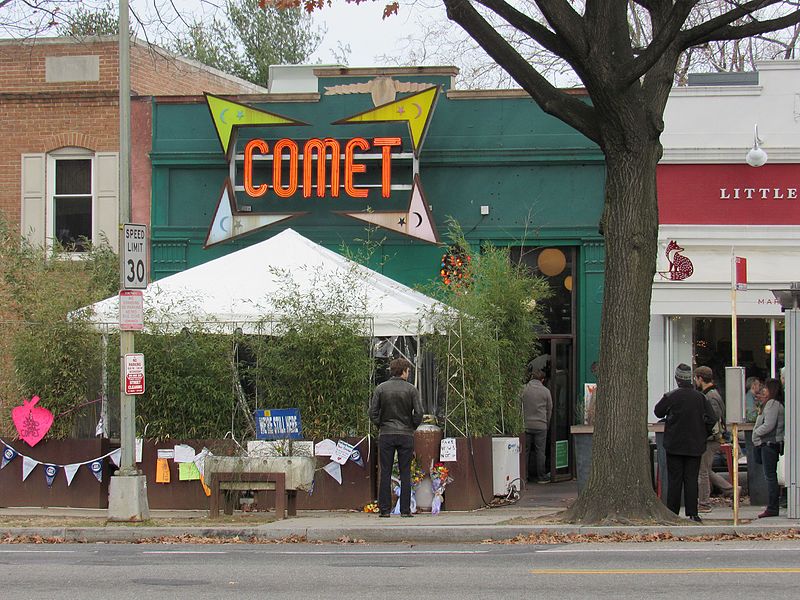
(225, 482)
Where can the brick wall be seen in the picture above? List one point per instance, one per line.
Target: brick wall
(36, 116)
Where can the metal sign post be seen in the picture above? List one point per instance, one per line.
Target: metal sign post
(127, 492)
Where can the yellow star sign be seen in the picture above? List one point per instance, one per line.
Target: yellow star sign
(416, 110)
(229, 115)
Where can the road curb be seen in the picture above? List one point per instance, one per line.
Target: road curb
(419, 534)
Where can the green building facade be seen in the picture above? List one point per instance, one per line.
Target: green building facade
(493, 161)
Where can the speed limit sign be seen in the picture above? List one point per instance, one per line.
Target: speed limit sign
(134, 265)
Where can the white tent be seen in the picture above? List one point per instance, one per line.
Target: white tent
(240, 286)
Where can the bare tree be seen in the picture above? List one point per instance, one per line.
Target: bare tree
(437, 42)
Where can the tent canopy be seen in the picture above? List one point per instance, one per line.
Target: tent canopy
(240, 287)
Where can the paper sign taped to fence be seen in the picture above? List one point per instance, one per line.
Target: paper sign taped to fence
(325, 448)
(187, 471)
(342, 453)
(166, 453)
(139, 447)
(183, 453)
(447, 450)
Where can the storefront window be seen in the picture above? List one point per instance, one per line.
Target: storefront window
(759, 350)
(556, 264)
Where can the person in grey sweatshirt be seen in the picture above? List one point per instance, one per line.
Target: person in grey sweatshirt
(768, 441)
(537, 408)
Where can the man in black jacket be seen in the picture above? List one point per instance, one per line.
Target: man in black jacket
(396, 410)
(689, 420)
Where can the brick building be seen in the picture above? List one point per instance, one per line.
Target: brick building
(59, 119)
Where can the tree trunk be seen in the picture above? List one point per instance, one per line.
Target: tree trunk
(630, 227)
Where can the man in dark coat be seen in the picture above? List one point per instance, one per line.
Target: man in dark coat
(689, 420)
(396, 410)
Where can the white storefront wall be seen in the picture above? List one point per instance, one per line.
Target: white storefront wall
(713, 125)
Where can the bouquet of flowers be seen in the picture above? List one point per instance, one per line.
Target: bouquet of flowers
(440, 477)
(371, 507)
(417, 475)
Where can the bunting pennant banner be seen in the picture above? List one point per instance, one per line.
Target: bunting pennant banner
(28, 465)
(355, 456)
(69, 472)
(116, 456)
(50, 472)
(9, 454)
(96, 467)
(334, 469)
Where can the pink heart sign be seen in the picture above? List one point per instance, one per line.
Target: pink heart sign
(32, 422)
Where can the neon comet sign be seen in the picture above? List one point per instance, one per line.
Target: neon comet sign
(320, 167)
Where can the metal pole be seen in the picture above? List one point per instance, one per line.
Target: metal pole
(127, 492)
(126, 343)
(792, 431)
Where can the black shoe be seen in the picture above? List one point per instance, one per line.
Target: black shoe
(696, 518)
(768, 513)
(384, 515)
(407, 515)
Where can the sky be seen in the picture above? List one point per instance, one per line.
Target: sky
(364, 29)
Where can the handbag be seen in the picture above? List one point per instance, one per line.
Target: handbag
(781, 470)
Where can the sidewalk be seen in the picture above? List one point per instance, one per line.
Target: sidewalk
(527, 517)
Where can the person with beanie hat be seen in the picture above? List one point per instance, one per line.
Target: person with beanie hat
(689, 418)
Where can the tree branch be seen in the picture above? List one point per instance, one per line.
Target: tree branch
(530, 27)
(567, 24)
(664, 37)
(568, 108)
(698, 34)
(739, 32)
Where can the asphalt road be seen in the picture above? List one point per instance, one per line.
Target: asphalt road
(619, 571)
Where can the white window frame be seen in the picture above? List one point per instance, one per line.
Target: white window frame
(50, 212)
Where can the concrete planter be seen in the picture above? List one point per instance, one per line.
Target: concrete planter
(299, 470)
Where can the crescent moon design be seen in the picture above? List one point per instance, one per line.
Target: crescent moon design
(419, 110)
(222, 224)
(419, 216)
(222, 116)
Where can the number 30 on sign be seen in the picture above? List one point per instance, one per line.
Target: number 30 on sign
(133, 270)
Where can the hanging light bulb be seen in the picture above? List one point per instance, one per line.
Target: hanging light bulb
(756, 157)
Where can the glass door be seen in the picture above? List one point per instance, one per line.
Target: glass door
(562, 389)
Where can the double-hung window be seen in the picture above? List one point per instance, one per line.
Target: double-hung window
(73, 200)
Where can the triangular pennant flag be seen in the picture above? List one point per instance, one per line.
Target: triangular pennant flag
(116, 456)
(96, 467)
(69, 471)
(334, 469)
(9, 454)
(28, 465)
(50, 472)
(355, 456)
(416, 110)
(228, 116)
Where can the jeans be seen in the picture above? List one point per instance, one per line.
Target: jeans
(535, 442)
(404, 446)
(769, 458)
(706, 463)
(682, 478)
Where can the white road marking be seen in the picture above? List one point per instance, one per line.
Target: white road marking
(37, 551)
(655, 549)
(183, 552)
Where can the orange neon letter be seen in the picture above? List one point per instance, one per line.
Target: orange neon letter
(277, 168)
(261, 146)
(350, 168)
(386, 162)
(321, 148)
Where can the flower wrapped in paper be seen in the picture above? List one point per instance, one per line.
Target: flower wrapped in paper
(440, 477)
(417, 475)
